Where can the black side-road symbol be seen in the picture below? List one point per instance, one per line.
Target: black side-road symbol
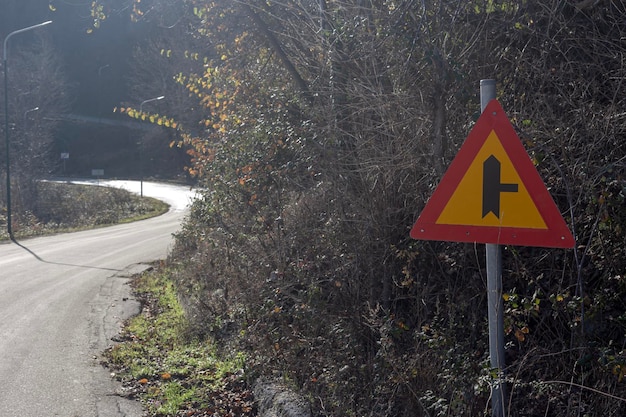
(492, 187)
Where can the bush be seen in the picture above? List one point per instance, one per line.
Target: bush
(301, 240)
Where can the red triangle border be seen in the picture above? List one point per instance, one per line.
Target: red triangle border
(494, 118)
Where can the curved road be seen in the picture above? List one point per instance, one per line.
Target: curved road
(62, 298)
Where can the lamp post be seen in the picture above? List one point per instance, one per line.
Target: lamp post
(100, 70)
(6, 117)
(26, 113)
(141, 142)
(100, 89)
(29, 111)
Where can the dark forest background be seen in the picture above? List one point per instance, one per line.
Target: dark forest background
(76, 74)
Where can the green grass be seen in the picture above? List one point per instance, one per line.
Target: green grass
(166, 368)
(62, 207)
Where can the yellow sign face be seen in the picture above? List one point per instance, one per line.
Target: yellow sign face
(492, 193)
(505, 202)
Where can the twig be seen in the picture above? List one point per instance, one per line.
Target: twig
(587, 388)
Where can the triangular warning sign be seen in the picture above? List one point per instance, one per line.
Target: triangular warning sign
(492, 193)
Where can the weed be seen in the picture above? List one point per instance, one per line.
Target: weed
(169, 370)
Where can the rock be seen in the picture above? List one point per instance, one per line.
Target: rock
(274, 399)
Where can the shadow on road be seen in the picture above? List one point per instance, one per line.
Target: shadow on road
(40, 259)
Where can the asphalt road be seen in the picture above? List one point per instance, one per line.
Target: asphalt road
(62, 298)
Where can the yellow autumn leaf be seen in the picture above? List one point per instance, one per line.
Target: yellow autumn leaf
(506, 296)
(52, 8)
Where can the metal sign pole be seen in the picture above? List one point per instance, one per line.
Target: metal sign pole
(494, 292)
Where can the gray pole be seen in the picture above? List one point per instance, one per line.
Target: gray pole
(100, 89)
(494, 292)
(6, 117)
(141, 144)
(6, 140)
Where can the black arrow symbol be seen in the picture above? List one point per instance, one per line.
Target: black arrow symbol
(492, 187)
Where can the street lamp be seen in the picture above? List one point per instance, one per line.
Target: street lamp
(141, 143)
(100, 70)
(29, 111)
(6, 117)
(100, 89)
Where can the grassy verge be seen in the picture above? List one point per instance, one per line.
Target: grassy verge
(172, 373)
(61, 207)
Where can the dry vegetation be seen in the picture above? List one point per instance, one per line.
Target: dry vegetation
(62, 207)
(329, 125)
(311, 265)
